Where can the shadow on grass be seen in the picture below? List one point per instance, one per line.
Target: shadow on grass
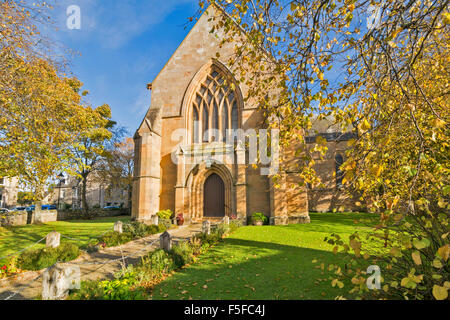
(245, 270)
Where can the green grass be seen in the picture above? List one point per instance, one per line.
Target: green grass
(17, 238)
(269, 262)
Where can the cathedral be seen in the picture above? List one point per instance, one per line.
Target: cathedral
(183, 161)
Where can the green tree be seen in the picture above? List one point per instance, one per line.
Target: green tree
(91, 148)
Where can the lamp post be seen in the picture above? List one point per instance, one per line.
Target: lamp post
(61, 179)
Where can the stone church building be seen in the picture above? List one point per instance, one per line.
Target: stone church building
(183, 165)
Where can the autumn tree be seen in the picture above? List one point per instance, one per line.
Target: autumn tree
(41, 110)
(381, 68)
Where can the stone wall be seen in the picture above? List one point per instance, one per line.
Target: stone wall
(75, 215)
(24, 218)
(45, 216)
(15, 220)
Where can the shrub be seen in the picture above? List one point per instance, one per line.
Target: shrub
(182, 254)
(113, 239)
(196, 245)
(222, 230)
(258, 216)
(158, 262)
(123, 288)
(141, 230)
(89, 290)
(131, 231)
(154, 229)
(166, 223)
(234, 225)
(165, 214)
(208, 239)
(136, 229)
(43, 258)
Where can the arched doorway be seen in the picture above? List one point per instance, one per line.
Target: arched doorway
(214, 197)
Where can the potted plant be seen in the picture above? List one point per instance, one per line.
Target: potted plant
(258, 219)
(180, 219)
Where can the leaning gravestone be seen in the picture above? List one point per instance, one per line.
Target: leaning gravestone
(118, 227)
(58, 280)
(165, 241)
(206, 227)
(53, 239)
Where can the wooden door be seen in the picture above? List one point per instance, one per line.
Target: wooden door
(214, 197)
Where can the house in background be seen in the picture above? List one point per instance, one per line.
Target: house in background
(8, 192)
(67, 195)
(330, 196)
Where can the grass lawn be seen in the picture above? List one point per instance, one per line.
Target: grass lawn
(268, 262)
(16, 238)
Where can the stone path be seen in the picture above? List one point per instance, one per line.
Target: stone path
(94, 266)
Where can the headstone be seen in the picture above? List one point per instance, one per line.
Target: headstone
(155, 220)
(206, 227)
(118, 227)
(226, 220)
(165, 241)
(53, 239)
(58, 280)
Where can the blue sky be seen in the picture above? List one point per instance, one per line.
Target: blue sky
(121, 46)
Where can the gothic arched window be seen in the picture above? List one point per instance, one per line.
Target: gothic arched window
(217, 103)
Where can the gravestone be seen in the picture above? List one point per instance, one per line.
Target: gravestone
(155, 220)
(226, 220)
(206, 227)
(165, 241)
(53, 239)
(58, 280)
(118, 227)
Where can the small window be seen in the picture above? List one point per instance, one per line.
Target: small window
(195, 125)
(224, 122)
(234, 117)
(205, 125)
(215, 117)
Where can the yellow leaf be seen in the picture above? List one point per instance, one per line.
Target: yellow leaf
(444, 252)
(416, 258)
(364, 126)
(440, 293)
(437, 264)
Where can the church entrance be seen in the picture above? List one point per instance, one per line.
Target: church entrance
(214, 197)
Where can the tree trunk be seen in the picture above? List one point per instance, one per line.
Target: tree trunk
(84, 202)
(130, 194)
